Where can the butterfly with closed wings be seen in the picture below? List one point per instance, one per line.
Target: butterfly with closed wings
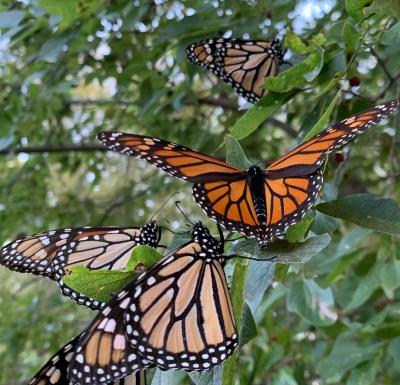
(244, 64)
(176, 315)
(257, 202)
(53, 253)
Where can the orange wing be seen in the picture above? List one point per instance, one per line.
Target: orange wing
(245, 64)
(173, 158)
(286, 202)
(103, 353)
(309, 156)
(182, 317)
(229, 203)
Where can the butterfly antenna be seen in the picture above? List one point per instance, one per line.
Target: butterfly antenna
(162, 205)
(184, 215)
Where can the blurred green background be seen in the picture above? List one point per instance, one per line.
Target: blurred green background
(72, 68)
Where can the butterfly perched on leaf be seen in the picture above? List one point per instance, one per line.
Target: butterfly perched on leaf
(53, 253)
(257, 202)
(55, 371)
(176, 315)
(244, 64)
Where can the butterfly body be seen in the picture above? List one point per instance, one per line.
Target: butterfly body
(255, 179)
(244, 64)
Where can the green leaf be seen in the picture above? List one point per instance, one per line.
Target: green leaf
(367, 286)
(235, 154)
(171, 377)
(295, 44)
(392, 35)
(384, 7)
(367, 210)
(69, 10)
(259, 113)
(354, 8)
(284, 377)
(282, 251)
(312, 303)
(258, 279)
(323, 120)
(364, 374)
(390, 277)
(299, 75)
(345, 355)
(238, 296)
(10, 19)
(211, 377)
(98, 284)
(52, 49)
(143, 255)
(248, 329)
(351, 37)
(298, 231)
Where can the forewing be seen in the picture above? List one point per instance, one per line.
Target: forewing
(181, 315)
(309, 156)
(35, 254)
(174, 159)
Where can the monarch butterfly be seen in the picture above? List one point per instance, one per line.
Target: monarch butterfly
(245, 64)
(52, 253)
(55, 371)
(258, 202)
(177, 315)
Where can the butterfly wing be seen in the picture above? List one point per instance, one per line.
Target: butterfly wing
(103, 353)
(35, 254)
(309, 156)
(286, 200)
(229, 203)
(245, 64)
(54, 372)
(181, 316)
(174, 159)
(55, 252)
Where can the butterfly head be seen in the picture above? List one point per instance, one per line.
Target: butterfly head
(277, 50)
(151, 234)
(202, 236)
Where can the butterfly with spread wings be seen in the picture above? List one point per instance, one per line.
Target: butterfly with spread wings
(257, 202)
(55, 371)
(176, 315)
(53, 253)
(245, 64)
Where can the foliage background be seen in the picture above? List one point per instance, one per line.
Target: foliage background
(72, 68)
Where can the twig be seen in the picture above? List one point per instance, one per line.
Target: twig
(54, 148)
(382, 64)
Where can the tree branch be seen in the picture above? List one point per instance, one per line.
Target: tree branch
(54, 148)
(223, 102)
(382, 64)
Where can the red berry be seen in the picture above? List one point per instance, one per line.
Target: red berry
(339, 158)
(355, 81)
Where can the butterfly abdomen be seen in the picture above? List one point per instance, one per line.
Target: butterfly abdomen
(255, 179)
